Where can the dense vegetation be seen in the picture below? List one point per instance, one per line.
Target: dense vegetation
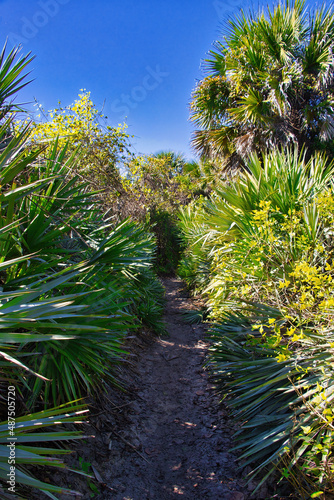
(146, 188)
(85, 224)
(269, 84)
(74, 283)
(261, 253)
(260, 249)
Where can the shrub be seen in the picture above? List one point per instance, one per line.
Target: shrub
(266, 243)
(71, 285)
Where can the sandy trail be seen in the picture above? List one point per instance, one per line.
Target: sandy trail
(179, 439)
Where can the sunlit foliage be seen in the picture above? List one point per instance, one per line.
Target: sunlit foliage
(261, 253)
(269, 84)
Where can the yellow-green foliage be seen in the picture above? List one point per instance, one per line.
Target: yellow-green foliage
(283, 260)
(155, 182)
(145, 188)
(261, 253)
(79, 125)
(73, 284)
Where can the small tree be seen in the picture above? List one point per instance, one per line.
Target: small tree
(101, 147)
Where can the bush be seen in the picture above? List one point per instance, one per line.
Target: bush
(266, 243)
(71, 289)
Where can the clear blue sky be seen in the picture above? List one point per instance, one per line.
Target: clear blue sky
(141, 57)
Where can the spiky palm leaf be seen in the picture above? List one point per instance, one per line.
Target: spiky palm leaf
(270, 81)
(68, 278)
(11, 78)
(29, 436)
(252, 236)
(274, 401)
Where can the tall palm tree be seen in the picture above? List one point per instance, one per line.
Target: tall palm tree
(269, 84)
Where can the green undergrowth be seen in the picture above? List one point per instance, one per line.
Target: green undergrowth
(74, 284)
(261, 254)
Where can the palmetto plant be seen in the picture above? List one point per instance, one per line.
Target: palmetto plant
(286, 179)
(221, 225)
(71, 285)
(284, 407)
(194, 267)
(30, 449)
(65, 270)
(269, 84)
(12, 79)
(265, 241)
(73, 291)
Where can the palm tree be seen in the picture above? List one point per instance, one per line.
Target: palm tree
(175, 162)
(269, 84)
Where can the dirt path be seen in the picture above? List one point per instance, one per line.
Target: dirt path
(178, 441)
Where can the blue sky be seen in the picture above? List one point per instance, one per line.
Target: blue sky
(141, 58)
